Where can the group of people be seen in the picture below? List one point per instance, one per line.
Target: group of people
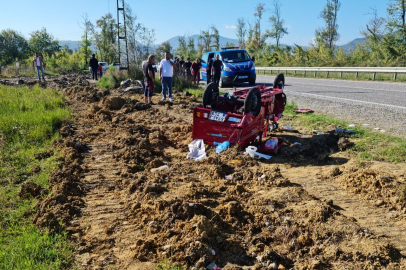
(166, 71)
(188, 69)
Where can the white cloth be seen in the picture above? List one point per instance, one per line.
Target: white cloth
(38, 62)
(197, 150)
(167, 69)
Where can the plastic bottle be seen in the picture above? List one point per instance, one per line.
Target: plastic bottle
(221, 147)
(160, 168)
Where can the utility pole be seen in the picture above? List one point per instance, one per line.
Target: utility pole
(127, 67)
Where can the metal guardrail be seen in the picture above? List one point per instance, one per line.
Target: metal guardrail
(327, 70)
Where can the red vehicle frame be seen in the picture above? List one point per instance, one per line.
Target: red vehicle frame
(245, 115)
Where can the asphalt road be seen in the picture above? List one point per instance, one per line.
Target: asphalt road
(379, 104)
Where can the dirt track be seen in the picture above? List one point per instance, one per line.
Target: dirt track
(315, 209)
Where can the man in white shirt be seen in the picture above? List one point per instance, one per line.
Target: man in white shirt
(39, 64)
(165, 75)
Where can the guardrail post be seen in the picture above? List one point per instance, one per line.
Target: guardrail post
(327, 74)
(286, 72)
(271, 71)
(264, 71)
(304, 73)
(356, 75)
(374, 76)
(295, 72)
(395, 76)
(341, 74)
(315, 73)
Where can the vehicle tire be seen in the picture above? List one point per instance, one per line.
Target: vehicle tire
(210, 95)
(252, 103)
(251, 82)
(221, 83)
(279, 81)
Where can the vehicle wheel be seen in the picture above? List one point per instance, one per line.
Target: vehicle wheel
(221, 84)
(252, 103)
(251, 82)
(279, 81)
(210, 95)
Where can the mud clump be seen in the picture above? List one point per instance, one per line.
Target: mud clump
(43, 155)
(30, 189)
(114, 103)
(343, 143)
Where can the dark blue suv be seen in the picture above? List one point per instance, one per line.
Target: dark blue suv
(238, 66)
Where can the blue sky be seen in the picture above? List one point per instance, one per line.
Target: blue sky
(171, 18)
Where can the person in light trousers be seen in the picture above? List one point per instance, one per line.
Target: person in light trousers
(166, 75)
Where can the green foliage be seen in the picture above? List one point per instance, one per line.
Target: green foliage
(328, 35)
(29, 118)
(278, 30)
(44, 43)
(105, 39)
(12, 46)
(111, 78)
(160, 51)
(63, 60)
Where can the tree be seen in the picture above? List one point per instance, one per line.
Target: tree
(255, 37)
(241, 32)
(206, 38)
(44, 43)
(328, 35)
(277, 30)
(86, 41)
(397, 19)
(375, 27)
(191, 51)
(12, 45)
(105, 40)
(182, 49)
(216, 38)
(164, 47)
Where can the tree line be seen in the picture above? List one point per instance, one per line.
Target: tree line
(102, 35)
(385, 43)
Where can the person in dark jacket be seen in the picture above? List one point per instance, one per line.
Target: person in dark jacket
(94, 64)
(217, 68)
(209, 67)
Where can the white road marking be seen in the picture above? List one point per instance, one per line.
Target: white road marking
(346, 99)
(325, 85)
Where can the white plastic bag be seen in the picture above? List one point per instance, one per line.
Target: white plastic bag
(197, 150)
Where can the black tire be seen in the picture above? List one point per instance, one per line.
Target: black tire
(251, 82)
(252, 103)
(221, 83)
(279, 81)
(210, 95)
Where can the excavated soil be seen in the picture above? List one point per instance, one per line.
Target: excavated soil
(309, 207)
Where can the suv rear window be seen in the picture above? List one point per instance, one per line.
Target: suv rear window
(102, 64)
(235, 56)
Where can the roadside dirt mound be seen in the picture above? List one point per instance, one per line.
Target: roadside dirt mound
(55, 211)
(86, 94)
(381, 188)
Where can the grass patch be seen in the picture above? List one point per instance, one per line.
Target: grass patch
(369, 145)
(167, 265)
(29, 120)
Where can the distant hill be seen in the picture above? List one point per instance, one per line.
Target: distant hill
(74, 45)
(352, 44)
(174, 41)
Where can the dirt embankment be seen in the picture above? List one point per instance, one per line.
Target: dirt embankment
(120, 214)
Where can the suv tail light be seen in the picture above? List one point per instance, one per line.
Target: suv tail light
(202, 115)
